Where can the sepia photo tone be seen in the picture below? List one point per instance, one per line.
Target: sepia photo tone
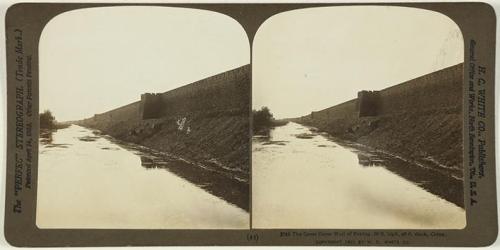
(144, 120)
(357, 120)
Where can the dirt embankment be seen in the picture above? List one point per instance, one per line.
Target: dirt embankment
(213, 146)
(218, 141)
(432, 138)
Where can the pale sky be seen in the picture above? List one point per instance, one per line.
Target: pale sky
(94, 60)
(312, 59)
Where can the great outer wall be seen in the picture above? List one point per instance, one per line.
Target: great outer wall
(419, 120)
(204, 124)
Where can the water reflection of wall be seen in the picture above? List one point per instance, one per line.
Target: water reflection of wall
(147, 162)
(368, 161)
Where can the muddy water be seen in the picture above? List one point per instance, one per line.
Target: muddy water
(90, 181)
(302, 179)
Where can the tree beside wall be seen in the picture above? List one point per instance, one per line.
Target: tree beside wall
(47, 120)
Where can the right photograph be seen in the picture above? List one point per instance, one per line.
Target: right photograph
(357, 120)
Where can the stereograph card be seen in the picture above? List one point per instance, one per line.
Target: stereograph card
(250, 124)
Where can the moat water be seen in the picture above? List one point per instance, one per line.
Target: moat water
(86, 180)
(303, 179)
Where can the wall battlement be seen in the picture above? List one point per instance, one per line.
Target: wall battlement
(438, 90)
(151, 105)
(225, 92)
(368, 103)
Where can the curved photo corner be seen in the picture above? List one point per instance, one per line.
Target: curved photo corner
(139, 107)
(357, 119)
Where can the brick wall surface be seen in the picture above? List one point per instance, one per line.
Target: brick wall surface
(437, 90)
(225, 92)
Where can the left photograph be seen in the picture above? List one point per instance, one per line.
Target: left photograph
(144, 120)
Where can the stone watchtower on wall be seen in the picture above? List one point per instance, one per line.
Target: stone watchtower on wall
(368, 103)
(151, 106)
